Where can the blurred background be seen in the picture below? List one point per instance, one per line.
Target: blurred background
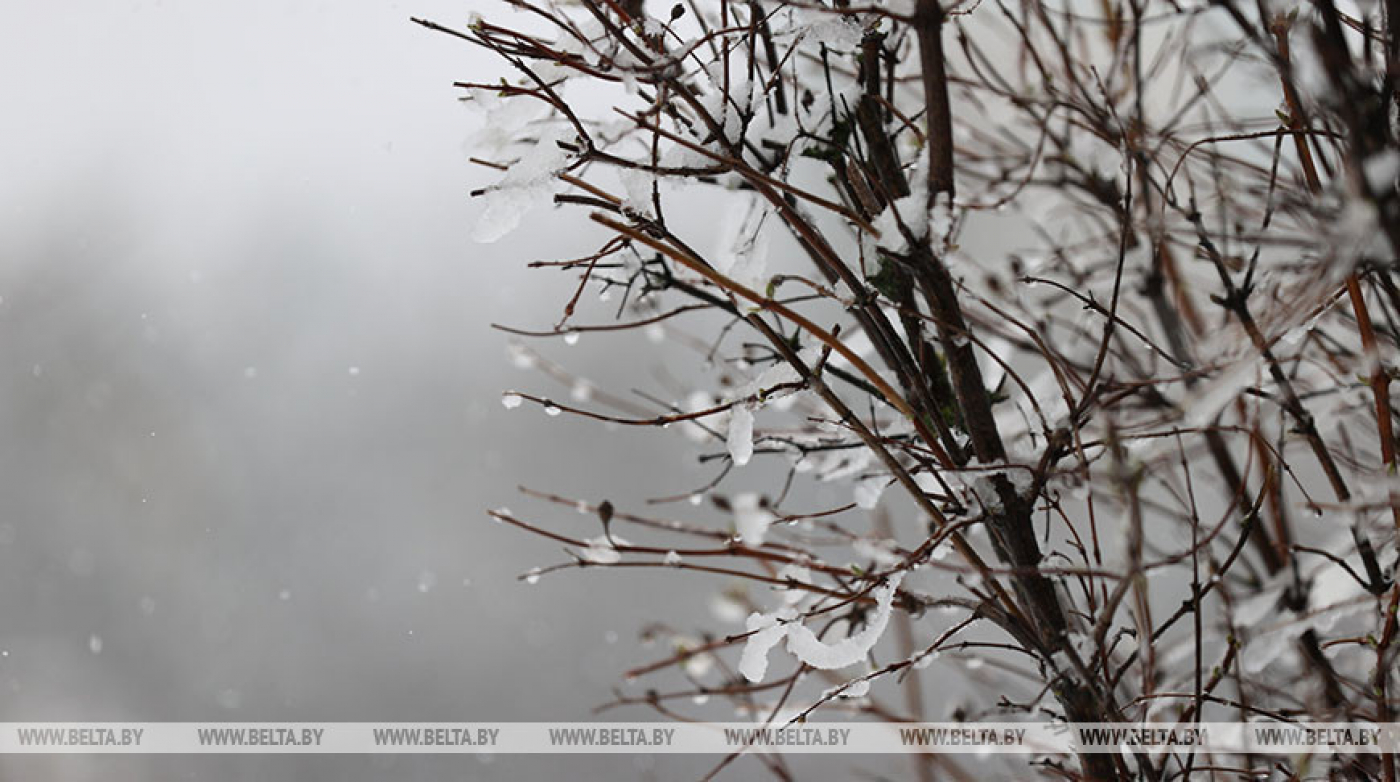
(250, 418)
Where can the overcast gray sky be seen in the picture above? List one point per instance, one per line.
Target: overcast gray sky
(250, 419)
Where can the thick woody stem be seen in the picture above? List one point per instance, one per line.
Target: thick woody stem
(1013, 532)
(1380, 386)
(928, 25)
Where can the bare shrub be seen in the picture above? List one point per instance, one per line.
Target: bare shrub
(1092, 304)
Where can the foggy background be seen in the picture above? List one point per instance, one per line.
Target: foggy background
(249, 403)
(249, 416)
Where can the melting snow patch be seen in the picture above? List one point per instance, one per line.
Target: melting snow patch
(526, 184)
(740, 440)
(868, 491)
(857, 689)
(751, 520)
(601, 551)
(769, 629)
